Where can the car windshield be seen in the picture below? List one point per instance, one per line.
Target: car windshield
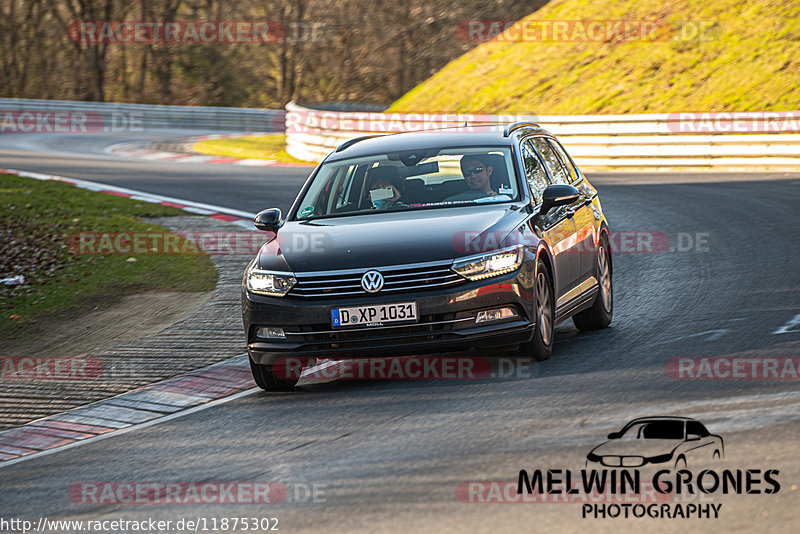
(400, 181)
(655, 430)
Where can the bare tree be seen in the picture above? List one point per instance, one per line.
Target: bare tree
(369, 51)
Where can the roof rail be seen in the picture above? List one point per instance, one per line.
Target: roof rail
(351, 142)
(510, 128)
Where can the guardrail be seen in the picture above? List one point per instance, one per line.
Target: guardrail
(752, 141)
(18, 115)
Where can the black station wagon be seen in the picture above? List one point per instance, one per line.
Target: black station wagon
(424, 243)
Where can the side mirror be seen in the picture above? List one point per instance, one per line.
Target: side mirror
(558, 195)
(614, 435)
(268, 220)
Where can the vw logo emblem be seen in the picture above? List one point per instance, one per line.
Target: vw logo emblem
(372, 281)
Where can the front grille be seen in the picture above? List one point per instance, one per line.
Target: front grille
(430, 328)
(397, 279)
(622, 461)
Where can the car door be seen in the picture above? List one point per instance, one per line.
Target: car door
(585, 219)
(700, 446)
(557, 225)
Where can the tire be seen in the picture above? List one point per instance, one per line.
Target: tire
(266, 378)
(602, 309)
(541, 346)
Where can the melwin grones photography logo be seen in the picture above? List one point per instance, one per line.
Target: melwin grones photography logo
(642, 470)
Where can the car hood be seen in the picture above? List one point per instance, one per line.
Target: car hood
(382, 239)
(637, 447)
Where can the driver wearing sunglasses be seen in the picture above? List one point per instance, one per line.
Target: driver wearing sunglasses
(476, 174)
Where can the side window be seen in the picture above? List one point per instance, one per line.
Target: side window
(694, 427)
(342, 186)
(560, 175)
(573, 174)
(534, 172)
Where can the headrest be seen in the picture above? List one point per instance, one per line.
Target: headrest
(383, 173)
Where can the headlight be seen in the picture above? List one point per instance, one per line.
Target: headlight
(269, 283)
(660, 459)
(495, 263)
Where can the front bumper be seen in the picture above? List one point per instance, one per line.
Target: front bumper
(446, 323)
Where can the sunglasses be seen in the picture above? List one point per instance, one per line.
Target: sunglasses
(476, 170)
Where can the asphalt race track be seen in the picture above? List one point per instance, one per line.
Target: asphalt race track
(86, 155)
(389, 456)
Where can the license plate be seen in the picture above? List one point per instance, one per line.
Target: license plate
(374, 315)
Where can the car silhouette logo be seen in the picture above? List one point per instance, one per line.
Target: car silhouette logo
(372, 281)
(657, 440)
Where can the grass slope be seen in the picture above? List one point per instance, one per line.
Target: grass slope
(272, 147)
(748, 60)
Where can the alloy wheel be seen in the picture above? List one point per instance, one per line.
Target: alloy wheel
(605, 277)
(544, 308)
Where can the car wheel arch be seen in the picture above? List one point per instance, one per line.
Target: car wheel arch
(682, 458)
(544, 254)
